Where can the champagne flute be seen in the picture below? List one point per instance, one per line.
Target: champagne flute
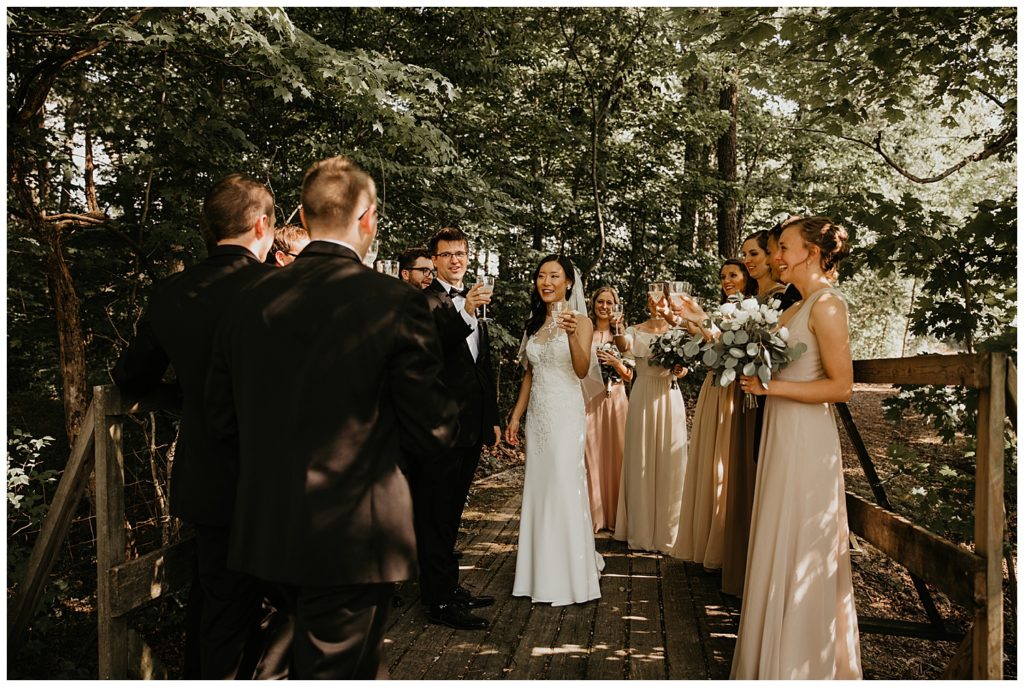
(380, 267)
(488, 282)
(617, 314)
(656, 291)
(391, 268)
(371, 253)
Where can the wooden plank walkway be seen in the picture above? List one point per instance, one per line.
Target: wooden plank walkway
(657, 618)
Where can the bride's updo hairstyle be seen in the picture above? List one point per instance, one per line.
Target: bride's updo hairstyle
(829, 237)
(538, 308)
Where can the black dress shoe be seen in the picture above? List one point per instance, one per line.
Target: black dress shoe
(466, 598)
(456, 615)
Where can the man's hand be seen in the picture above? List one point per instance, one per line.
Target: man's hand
(497, 436)
(477, 296)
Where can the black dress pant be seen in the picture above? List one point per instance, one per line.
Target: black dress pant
(439, 496)
(240, 634)
(338, 630)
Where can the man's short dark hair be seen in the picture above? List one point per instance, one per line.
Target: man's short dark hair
(450, 234)
(232, 205)
(408, 257)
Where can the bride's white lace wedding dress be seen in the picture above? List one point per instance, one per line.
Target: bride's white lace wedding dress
(556, 562)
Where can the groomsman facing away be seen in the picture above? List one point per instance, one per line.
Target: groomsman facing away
(289, 240)
(178, 329)
(323, 510)
(440, 493)
(415, 266)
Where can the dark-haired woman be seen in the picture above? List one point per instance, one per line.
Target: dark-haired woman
(606, 416)
(757, 259)
(556, 561)
(702, 523)
(798, 619)
(746, 430)
(654, 459)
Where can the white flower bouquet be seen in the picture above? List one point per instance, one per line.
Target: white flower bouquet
(748, 343)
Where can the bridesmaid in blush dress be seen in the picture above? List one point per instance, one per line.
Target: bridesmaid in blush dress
(798, 619)
(606, 416)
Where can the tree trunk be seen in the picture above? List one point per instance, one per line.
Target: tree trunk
(65, 302)
(798, 162)
(695, 168)
(728, 227)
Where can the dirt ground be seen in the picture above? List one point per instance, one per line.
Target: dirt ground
(63, 644)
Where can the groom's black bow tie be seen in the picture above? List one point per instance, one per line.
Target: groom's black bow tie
(453, 292)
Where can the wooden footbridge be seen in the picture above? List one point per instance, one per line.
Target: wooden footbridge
(657, 618)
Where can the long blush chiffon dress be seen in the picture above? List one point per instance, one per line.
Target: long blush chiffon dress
(606, 437)
(798, 619)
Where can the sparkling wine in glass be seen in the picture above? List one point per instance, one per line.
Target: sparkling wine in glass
(656, 291)
(617, 314)
(488, 282)
(371, 253)
(558, 310)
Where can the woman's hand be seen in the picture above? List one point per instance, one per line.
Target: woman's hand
(688, 309)
(567, 321)
(753, 385)
(512, 431)
(679, 371)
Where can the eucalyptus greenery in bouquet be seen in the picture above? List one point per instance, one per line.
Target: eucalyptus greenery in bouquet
(749, 344)
(667, 350)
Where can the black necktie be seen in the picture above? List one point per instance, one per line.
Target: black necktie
(453, 292)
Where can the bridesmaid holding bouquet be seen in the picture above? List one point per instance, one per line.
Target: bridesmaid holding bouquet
(606, 413)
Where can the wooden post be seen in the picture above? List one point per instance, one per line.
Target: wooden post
(987, 654)
(110, 531)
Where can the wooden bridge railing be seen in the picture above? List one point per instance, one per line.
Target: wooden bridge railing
(973, 579)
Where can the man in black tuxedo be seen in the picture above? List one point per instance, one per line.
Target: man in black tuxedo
(323, 510)
(177, 329)
(440, 494)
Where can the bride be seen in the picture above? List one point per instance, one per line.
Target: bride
(556, 562)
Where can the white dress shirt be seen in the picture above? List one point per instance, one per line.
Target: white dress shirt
(473, 340)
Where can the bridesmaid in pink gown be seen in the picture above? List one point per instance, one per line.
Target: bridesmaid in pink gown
(606, 414)
(798, 619)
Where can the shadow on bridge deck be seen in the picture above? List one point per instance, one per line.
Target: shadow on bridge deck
(657, 618)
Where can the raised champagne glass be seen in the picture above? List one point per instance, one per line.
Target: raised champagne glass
(371, 253)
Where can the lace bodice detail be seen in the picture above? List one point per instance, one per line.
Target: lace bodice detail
(551, 363)
(641, 352)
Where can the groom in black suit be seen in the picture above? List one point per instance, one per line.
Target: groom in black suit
(440, 494)
(328, 375)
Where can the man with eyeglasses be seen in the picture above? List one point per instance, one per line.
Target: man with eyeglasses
(415, 266)
(439, 495)
(289, 240)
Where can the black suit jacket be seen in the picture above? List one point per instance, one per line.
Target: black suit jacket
(471, 382)
(177, 329)
(326, 374)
